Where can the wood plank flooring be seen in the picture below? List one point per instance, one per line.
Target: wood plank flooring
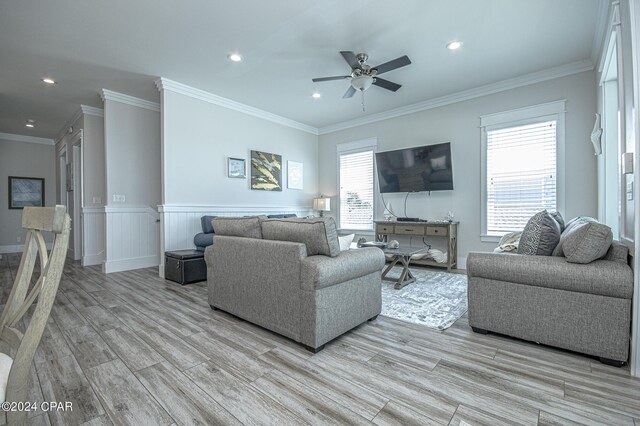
(131, 348)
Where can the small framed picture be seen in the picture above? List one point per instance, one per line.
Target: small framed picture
(237, 168)
(295, 175)
(25, 192)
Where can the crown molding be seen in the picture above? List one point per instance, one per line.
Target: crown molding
(30, 139)
(108, 95)
(89, 110)
(465, 95)
(173, 86)
(83, 109)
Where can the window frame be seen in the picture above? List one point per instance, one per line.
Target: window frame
(518, 117)
(354, 147)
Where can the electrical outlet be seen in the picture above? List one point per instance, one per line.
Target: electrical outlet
(97, 200)
(118, 198)
(18, 239)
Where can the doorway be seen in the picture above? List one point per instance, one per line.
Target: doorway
(76, 197)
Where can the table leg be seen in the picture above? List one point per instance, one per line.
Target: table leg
(406, 277)
(389, 266)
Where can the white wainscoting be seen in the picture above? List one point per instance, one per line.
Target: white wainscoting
(180, 223)
(132, 238)
(93, 231)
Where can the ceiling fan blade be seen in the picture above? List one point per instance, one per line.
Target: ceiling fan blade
(386, 84)
(341, 77)
(392, 65)
(349, 93)
(351, 59)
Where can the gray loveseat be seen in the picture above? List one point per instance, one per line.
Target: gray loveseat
(289, 276)
(583, 307)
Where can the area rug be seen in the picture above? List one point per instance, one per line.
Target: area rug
(435, 299)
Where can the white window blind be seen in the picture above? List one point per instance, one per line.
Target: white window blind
(521, 174)
(356, 190)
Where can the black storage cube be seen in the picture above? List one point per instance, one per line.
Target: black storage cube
(185, 266)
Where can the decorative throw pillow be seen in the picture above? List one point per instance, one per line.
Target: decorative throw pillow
(319, 234)
(345, 242)
(618, 252)
(587, 242)
(207, 226)
(248, 226)
(558, 217)
(571, 225)
(540, 236)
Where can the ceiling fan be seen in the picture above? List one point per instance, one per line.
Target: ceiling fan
(363, 76)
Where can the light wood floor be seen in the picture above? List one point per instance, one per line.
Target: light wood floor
(131, 348)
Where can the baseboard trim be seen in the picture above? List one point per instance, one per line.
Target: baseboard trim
(130, 264)
(18, 248)
(93, 259)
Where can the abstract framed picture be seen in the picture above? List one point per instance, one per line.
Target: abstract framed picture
(295, 175)
(25, 192)
(237, 168)
(266, 171)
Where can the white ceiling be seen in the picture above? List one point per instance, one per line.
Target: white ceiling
(125, 45)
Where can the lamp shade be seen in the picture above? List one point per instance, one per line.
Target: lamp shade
(362, 82)
(322, 204)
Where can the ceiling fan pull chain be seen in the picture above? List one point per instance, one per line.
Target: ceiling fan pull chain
(362, 91)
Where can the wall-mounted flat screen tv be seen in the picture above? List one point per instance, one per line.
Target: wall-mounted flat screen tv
(424, 168)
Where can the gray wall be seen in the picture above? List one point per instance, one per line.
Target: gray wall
(200, 136)
(28, 160)
(459, 124)
(132, 154)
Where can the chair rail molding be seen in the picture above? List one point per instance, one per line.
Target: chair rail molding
(179, 223)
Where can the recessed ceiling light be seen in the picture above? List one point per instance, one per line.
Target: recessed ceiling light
(454, 45)
(235, 57)
(29, 125)
(316, 95)
(48, 81)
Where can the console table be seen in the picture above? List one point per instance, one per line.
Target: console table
(426, 230)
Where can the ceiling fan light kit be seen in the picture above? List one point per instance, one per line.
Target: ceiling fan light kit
(364, 76)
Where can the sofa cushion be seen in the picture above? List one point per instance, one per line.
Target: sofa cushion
(540, 236)
(202, 241)
(207, 226)
(248, 226)
(318, 234)
(572, 224)
(618, 252)
(601, 277)
(587, 242)
(321, 271)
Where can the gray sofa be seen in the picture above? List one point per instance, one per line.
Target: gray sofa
(545, 299)
(289, 276)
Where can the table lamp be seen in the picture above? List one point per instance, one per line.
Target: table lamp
(322, 204)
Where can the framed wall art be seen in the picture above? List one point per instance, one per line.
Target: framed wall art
(266, 171)
(295, 175)
(25, 192)
(237, 168)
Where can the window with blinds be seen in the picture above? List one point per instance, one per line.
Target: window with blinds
(521, 174)
(356, 190)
